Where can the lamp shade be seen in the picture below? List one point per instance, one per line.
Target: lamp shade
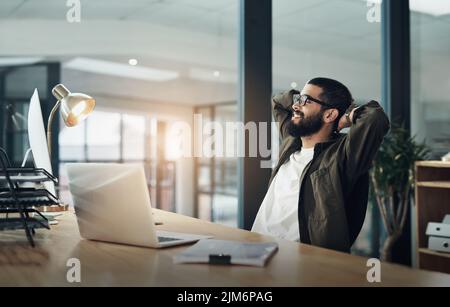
(75, 107)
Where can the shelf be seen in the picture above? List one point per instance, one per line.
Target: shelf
(438, 164)
(432, 187)
(434, 184)
(434, 253)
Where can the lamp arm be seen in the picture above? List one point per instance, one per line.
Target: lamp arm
(49, 127)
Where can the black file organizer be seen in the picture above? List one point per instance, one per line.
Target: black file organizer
(17, 199)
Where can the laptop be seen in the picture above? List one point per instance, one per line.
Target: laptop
(112, 204)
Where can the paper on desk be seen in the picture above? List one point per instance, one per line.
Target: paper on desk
(21, 178)
(252, 254)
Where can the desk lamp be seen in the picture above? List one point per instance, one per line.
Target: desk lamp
(75, 107)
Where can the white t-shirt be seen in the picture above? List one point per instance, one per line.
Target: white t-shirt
(278, 214)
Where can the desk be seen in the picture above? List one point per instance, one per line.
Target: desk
(104, 264)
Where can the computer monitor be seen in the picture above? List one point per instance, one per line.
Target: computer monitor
(38, 140)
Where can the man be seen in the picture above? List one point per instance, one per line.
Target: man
(318, 191)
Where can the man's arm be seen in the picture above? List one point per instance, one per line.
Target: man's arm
(369, 124)
(282, 111)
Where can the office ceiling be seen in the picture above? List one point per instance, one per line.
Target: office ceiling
(186, 35)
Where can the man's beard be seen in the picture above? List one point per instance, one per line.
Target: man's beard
(306, 126)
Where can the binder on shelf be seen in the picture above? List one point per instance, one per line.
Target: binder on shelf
(439, 235)
(446, 219)
(228, 252)
(21, 191)
(439, 244)
(438, 230)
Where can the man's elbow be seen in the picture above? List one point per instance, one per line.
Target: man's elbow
(383, 122)
(378, 118)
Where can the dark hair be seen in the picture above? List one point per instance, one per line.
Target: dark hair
(335, 94)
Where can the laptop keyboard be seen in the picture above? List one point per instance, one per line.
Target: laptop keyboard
(166, 239)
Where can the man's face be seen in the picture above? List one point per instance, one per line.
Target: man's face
(308, 119)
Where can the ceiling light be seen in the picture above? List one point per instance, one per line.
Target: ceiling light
(214, 76)
(120, 70)
(132, 62)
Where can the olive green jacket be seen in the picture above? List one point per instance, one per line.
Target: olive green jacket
(334, 185)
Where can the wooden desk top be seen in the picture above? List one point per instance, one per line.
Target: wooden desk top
(104, 264)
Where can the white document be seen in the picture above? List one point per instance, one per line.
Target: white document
(38, 140)
(20, 178)
(446, 219)
(227, 252)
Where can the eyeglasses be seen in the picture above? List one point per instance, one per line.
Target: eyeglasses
(304, 99)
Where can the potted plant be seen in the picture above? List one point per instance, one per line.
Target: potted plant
(392, 178)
